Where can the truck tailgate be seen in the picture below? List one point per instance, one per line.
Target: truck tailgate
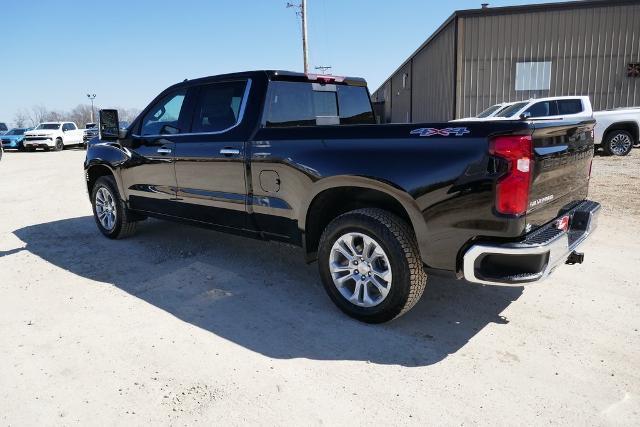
(562, 155)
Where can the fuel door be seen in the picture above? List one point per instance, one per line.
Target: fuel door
(269, 181)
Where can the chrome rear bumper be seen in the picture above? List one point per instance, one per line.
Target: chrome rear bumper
(535, 257)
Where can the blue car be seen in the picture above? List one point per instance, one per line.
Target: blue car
(13, 138)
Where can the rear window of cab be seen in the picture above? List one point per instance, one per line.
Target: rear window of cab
(291, 104)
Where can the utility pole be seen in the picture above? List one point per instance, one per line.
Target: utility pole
(303, 15)
(91, 98)
(304, 36)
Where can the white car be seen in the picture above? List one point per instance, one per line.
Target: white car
(557, 107)
(617, 131)
(485, 114)
(53, 135)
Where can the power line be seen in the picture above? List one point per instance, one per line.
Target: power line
(323, 68)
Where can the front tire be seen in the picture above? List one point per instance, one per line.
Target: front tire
(370, 265)
(59, 145)
(618, 143)
(109, 211)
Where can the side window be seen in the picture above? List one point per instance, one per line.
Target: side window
(290, 104)
(65, 127)
(355, 106)
(570, 106)
(542, 109)
(163, 117)
(218, 106)
(72, 126)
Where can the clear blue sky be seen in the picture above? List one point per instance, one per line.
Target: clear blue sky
(54, 52)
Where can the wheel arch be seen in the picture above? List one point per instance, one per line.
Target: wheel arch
(101, 160)
(629, 126)
(327, 201)
(95, 170)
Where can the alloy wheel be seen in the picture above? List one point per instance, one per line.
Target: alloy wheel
(360, 269)
(620, 144)
(106, 208)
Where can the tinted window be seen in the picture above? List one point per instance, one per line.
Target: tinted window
(569, 106)
(511, 110)
(297, 104)
(542, 109)
(290, 104)
(3, 126)
(488, 111)
(49, 126)
(355, 106)
(218, 106)
(16, 132)
(163, 116)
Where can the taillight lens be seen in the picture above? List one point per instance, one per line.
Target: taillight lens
(512, 190)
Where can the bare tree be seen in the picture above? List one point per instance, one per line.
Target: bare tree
(37, 114)
(55, 116)
(128, 114)
(80, 115)
(20, 119)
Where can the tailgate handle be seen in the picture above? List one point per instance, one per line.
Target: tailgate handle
(543, 151)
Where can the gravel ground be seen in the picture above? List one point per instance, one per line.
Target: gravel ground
(180, 325)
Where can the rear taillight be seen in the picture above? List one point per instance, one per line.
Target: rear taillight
(512, 189)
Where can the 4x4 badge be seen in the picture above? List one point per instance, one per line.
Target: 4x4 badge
(440, 132)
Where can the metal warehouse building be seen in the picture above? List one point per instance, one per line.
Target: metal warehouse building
(481, 57)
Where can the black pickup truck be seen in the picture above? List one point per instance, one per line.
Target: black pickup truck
(299, 158)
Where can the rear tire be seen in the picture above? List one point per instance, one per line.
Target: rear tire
(391, 278)
(618, 143)
(107, 204)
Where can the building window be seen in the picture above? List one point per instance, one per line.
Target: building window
(405, 80)
(533, 75)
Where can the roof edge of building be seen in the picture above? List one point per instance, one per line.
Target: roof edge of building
(507, 10)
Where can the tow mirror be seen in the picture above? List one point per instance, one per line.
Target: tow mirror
(109, 125)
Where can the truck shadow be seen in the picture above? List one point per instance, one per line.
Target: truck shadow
(261, 295)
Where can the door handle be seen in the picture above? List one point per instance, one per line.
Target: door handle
(163, 150)
(229, 151)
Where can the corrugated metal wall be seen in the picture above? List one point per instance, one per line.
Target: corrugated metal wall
(401, 88)
(589, 48)
(433, 94)
(423, 89)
